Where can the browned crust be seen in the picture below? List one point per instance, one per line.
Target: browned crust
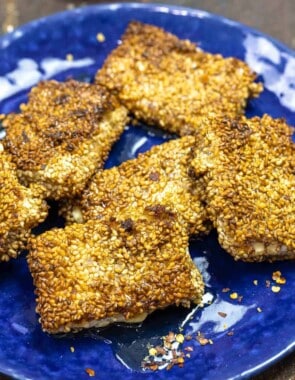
(21, 209)
(168, 82)
(62, 130)
(249, 170)
(162, 175)
(102, 269)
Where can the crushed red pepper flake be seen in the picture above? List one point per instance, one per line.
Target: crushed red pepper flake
(90, 372)
(278, 278)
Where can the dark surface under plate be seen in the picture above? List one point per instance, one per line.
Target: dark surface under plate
(38, 51)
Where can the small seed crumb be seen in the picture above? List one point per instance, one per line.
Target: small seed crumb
(267, 283)
(240, 298)
(255, 282)
(189, 349)
(152, 351)
(100, 37)
(69, 57)
(90, 372)
(234, 296)
(275, 289)
(222, 314)
(230, 333)
(225, 290)
(259, 309)
(72, 349)
(179, 338)
(188, 337)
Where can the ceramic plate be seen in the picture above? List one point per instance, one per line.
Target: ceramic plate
(39, 51)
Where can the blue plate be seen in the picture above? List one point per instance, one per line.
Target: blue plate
(38, 51)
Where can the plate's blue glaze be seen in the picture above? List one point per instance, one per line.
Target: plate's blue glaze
(37, 51)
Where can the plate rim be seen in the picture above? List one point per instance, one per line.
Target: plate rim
(8, 38)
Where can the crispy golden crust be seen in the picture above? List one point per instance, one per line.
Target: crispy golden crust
(161, 175)
(249, 170)
(168, 82)
(63, 135)
(21, 209)
(95, 273)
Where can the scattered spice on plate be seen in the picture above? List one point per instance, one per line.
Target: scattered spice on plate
(230, 333)
(240, 298)
(255, 282)
(222, 314)
(267, 283)
(90, 372)
(72, 349)
(234, 295)
(259, 309)
(225, 290)
(167, 355)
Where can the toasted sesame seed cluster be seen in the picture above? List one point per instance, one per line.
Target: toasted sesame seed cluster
(162, 175)
(114, 269)
(63, 135)
(248, 167)
(21, 209)
(170, 83)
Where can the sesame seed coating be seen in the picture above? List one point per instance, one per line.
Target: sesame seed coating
(248, 166)
(113, 269)
(21, 209)
(63, 134)
(171, 83)
(162, 175)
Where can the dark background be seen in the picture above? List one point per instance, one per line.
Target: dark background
(273, 17)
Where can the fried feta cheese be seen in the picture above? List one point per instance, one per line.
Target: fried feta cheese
(21, 209)
(248, 167)
(112, 270)
(162, 175)
(171, 83)
(63, 134)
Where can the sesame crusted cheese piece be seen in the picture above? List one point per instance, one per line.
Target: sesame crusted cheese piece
(248, 170)
(162, 175)
(21, 209)
(171, 83)
(63, 134)
(110, 270)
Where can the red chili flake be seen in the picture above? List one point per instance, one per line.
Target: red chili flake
(153, 366)
(202, 341)
(225, 290)
(169, 366)
(154, 176)
(90, 372)
(222, 314)
(170, 337)
(230, 333)
(189, 349)
(160, 350)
